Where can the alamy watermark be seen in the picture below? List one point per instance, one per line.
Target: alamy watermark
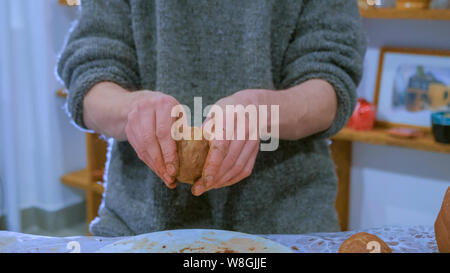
(239, 122)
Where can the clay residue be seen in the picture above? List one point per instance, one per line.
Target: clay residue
(205, 244)
(143, 244)
(209, 239)
(7, 241)
(234, 245)
(192, 249)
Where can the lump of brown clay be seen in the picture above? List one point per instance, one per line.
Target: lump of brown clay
(192, 156)
(364, 243)
(442, 225)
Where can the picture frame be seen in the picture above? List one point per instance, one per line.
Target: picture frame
(411, 84)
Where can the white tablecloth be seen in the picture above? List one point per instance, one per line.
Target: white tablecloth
(402, 239)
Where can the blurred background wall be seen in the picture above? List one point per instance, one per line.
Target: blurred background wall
(38, 143)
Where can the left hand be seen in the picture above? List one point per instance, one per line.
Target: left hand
(230, 161)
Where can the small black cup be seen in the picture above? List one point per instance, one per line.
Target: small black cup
(441, 127)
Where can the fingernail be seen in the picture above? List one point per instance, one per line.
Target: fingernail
(209, 181)
(168, 178)
(171, 169)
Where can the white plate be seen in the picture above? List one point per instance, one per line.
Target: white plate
(195, 241)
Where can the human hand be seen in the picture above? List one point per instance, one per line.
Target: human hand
(230, 161)
(148, 130)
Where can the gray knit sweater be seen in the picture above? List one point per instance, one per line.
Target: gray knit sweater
(213, 48)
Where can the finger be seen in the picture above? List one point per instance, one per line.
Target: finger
(217, 152)
(198, 188)
(219, 184)
(246, 172)
(168, 145)
(248, 151)
(143, 155)
(131, 133)
(231, 157)
(152, 147)
(155, 155)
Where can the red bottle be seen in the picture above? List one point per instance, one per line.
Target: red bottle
(363, 117)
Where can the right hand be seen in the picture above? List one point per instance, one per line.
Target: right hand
(148, 130)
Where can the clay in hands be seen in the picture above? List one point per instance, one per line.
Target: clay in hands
(192, 156)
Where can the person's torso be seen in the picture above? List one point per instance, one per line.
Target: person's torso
(211, 49)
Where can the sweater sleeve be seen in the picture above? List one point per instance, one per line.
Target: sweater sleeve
(99, 48)
(328, 44)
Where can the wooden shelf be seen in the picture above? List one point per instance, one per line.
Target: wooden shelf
(391, 13)
(80, 179)
(69, 2)
(379, 136)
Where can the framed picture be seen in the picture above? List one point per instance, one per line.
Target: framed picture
(411, 85)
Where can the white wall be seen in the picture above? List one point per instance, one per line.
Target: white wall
(394, 185)
(39, 144)
(66, 143)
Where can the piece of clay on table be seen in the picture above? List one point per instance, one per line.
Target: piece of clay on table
(442, 225)
(364, 242)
